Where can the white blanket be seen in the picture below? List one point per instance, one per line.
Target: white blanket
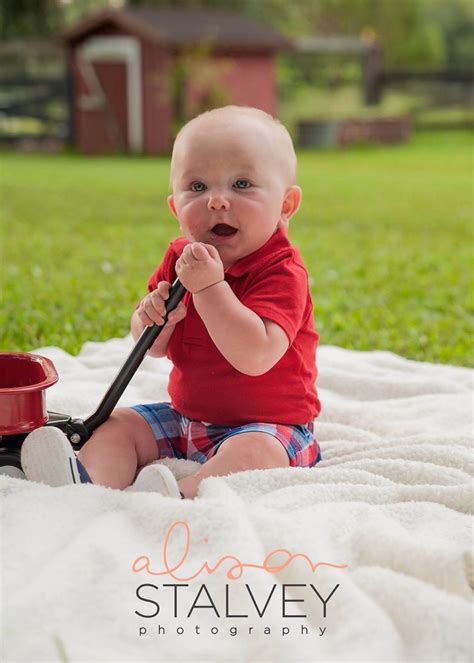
(389, 507)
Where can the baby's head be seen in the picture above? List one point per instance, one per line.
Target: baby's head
(233, 173)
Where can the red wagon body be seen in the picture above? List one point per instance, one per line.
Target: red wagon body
(23, 380)
(24, 377)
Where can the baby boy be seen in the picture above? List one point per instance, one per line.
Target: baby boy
(242, 342)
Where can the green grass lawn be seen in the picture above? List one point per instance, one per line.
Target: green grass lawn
(385, 232)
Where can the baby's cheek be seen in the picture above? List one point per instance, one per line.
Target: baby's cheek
(189, 223)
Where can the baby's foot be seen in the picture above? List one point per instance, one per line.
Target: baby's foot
(48, 457)
(156, 478)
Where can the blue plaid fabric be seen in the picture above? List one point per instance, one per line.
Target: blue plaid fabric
(180, 437)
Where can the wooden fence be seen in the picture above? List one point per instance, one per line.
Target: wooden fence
(35, 109)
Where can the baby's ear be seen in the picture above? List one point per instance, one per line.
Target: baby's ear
(172, 206)
(291, 203)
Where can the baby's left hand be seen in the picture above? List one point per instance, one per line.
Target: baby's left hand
(199, 267)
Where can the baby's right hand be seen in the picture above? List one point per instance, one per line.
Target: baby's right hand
(152, 307)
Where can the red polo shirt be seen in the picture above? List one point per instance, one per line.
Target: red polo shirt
(273, 282)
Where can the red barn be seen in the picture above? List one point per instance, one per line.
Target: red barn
(137, 73)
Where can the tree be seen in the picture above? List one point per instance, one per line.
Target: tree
(414, 33)
(409, 35)
(28, 18)
(456, 21)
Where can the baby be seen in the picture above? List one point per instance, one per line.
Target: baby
(242, 342)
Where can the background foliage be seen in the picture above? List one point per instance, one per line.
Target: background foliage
(415, 33)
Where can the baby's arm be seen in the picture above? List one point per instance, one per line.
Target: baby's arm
(251, 344)
(150, 311)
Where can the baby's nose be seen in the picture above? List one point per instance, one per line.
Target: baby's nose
(217, 201)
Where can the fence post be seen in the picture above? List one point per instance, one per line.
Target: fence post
(70, 133)
(372, 74)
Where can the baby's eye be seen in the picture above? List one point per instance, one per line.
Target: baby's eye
(242, 184)
(198, 187)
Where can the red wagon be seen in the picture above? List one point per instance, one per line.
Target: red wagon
(24, 378)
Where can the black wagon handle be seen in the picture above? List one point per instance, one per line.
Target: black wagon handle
(84, 430)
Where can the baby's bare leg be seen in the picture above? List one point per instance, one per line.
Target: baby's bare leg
(124, 443)
(246, 451)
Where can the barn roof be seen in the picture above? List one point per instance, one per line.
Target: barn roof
(178, 27)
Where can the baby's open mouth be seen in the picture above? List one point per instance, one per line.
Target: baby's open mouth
(223, 230)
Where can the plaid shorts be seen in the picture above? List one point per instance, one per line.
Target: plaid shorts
(180, 437)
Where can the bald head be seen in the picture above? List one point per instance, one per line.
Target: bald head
(245, 124)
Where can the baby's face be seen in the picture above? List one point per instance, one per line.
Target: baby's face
(229, 185)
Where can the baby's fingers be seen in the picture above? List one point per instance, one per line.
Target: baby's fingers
(199, 251)
(144, 317)
(163, 289)
(212, 251)
(177, 314)
(152, 309)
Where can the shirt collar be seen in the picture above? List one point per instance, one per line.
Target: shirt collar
(247, 264)
(277, 242)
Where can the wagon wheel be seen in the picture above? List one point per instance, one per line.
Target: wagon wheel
(10, 464)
